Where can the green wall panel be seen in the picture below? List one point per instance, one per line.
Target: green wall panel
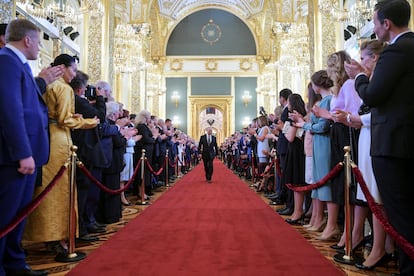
(211, 86)
(179, 112)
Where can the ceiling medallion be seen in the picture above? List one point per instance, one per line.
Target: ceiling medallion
(211, 33)
(211, 65)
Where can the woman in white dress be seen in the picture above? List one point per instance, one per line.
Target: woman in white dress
(263, 148)
(370, 51)
(128, 170)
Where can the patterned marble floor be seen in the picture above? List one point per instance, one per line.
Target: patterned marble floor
(38, 259)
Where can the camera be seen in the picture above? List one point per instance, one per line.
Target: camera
(90, 92)
(262, 111)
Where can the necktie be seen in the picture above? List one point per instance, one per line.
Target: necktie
(209, 139)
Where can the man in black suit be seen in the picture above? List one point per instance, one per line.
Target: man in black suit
(389, 93)
(207, 148)
(86, 140)
(285, 194)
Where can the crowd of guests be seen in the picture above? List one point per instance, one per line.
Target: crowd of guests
(345, 100)
(302, 144)
(110, 142)
(309, 140)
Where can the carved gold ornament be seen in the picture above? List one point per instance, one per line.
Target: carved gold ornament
(176, 65)
(245, 65)
(211, 65)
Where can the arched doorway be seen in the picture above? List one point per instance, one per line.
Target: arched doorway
(199, 119)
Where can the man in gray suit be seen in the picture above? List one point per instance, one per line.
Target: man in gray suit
(389, 93)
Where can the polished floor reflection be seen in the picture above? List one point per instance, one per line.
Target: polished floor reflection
(39, 259)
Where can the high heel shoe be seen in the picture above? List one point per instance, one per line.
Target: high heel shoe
(317, 229)
(298, 221)
(126, 204)
(332, 236)
(341, 249)
(384, 260)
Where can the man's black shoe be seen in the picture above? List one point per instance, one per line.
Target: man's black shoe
(272, 196)
(276, 202)
(26, 272)
(96, 229)
(286, 212)
(87, 238)
(281, 209)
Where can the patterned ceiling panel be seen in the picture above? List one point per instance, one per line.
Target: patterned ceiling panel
(177, 8)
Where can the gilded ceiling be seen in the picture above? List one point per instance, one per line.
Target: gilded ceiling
(176, 8)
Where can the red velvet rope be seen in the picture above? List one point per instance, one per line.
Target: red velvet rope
(172, 164)
(333, 173)
(151, 169)
(245, 166)
(103, 187)
(268, 168)
(33, 205)
(377, 211)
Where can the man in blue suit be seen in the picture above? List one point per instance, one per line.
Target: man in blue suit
(24, 142)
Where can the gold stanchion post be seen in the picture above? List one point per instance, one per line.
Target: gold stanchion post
(71, 256)
(347, 257)
(142, 201)
(167, 164)
(275, 171)
(252, 168)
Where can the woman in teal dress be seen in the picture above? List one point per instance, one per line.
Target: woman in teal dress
(320, 127)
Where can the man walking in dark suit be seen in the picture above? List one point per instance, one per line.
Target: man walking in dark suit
(389, 93)
(24, 142)
(207, 148)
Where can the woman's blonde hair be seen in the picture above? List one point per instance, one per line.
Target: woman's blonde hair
(373, 47)
(263, 121)
(336, 69)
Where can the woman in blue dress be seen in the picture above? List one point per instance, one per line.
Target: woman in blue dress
(320, 128)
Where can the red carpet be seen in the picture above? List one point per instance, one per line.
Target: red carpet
(196, 228)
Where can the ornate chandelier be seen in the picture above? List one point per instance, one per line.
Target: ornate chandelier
(59, 12)
(356, 10)
(128, 49)
(294, 47)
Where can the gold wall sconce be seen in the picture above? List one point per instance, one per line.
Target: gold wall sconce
(247, 98)
(175, 97)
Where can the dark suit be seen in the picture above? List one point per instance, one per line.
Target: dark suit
(390, 96)
(86, 139)
(282, 148)
(109, 208)
(23, 133)
(146, 143)
(208, 152)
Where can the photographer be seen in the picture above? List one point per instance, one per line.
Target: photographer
(89, 152)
